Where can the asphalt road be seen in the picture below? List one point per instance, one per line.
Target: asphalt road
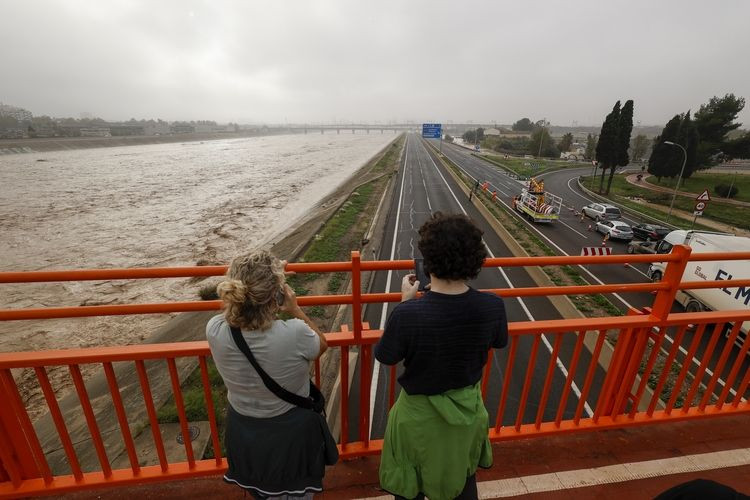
(570, 234)
(423, 187)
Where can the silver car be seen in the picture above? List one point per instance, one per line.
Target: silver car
(601, 211)
(642, 247)
(615, 229)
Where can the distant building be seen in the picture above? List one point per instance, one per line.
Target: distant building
(493, 132)
(126, 129)
(156, 128)
(95, 132)
(181, 128)
(20, 114)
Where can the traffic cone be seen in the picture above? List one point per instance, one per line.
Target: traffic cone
(582, 221)
(589, 227)
(604, 241)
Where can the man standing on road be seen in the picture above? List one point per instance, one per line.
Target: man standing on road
(436, 435)
(474, 189)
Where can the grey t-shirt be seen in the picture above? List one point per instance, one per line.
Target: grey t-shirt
(284, 351)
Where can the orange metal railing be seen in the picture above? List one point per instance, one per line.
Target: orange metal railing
(567, 369)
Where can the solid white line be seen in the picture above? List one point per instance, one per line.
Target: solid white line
(608, 474)
(558, 362)
(384, 313)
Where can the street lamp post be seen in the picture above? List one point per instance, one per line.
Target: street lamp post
(684, 161)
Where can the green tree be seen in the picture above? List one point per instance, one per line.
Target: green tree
(480, 134)
(639, 147)
(523, 125)
(591, 142)
(565, 142)
(541, 144)
(714, 121)
(666, 160)
(689, 139)
(448, 138)
(470, 136)
(606, 148)
(738, 147)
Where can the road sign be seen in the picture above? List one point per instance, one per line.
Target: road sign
(704, 196)
(697, 213)
(596, 251)
(432, 130)
(700, 206)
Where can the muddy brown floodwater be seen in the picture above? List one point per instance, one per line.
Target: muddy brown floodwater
(155, 205)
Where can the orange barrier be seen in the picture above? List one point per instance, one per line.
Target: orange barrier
(557, 377)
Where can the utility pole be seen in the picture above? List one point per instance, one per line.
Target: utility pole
(541, 138)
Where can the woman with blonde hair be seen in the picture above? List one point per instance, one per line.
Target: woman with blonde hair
(275, 448)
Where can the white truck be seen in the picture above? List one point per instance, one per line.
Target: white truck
(709, 299)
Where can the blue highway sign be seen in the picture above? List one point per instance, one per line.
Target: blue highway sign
(432, 130)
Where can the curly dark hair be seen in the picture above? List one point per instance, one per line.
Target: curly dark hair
(452, 247)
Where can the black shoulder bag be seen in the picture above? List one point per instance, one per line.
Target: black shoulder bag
(315, 402)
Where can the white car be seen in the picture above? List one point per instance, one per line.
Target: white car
(616, 229)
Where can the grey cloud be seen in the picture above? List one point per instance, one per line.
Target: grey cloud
(315, 61)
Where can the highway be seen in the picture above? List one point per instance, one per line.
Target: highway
(570, 234)
(423, 187)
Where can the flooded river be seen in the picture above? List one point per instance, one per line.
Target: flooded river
(154, 205)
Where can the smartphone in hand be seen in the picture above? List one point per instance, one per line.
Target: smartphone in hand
(422, 277)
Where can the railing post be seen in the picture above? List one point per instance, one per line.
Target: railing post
(18, 452)
(364, 351)
(672, 275)
(357, 296)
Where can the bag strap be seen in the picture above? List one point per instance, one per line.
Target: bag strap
(270, 383)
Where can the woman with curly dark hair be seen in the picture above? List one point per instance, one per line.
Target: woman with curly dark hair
(436, 435)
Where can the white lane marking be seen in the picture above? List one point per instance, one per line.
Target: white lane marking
(608, 474)
(384, 313)
(558, 361)
(571, 228)
(695, 360)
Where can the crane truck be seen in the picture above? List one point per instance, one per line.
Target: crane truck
(537, 205)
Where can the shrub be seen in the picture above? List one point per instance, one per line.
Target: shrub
(723, 190)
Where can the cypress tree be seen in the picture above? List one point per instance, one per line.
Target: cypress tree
(624, 129)
(659, 163)
(606, 148)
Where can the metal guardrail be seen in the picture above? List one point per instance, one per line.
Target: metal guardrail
(645, 340)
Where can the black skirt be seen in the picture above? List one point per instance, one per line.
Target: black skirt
(284, 455)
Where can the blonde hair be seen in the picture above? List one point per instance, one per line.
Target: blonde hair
(250, 289)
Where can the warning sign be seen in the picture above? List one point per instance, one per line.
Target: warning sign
(704, 196)
(700, 206)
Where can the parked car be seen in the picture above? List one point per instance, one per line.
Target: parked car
(650, 232)
(642, 247)
(615, 229)
(601, 211)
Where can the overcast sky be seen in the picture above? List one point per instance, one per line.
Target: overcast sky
(306, 61)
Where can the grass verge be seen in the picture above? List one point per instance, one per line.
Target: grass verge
(527, 167)
(625, 193)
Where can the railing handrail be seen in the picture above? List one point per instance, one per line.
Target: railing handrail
(51, 357)
(371, 265)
